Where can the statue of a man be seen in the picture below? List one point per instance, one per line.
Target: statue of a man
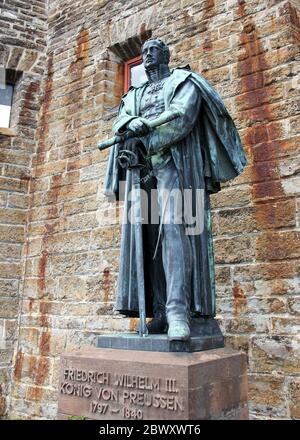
(194, 152)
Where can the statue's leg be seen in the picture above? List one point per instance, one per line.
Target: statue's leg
(176, 251)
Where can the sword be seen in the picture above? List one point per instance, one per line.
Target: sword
(143, 330)
(130, 161)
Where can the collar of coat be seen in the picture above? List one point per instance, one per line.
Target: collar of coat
(178, 74)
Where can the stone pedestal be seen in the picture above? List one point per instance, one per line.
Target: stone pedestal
(110, 384)
(205, 335)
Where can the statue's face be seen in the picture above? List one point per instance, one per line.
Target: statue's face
(153, 54)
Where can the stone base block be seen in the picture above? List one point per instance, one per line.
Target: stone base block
(106, 384)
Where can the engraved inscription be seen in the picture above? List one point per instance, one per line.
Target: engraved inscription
(98, 407)
(123, 395)
(140, 382)
(76, 389)
(87, 376)
(171, 385)
(107, 394)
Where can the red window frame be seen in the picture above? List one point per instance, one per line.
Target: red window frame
(127, 67)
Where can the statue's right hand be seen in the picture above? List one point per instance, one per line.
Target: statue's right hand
(138, 127)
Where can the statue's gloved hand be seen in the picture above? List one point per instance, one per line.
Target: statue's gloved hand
(138, 126)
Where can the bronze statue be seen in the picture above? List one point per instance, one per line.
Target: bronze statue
(175, 136)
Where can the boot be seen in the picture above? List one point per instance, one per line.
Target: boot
(179, 330)
(158, 325)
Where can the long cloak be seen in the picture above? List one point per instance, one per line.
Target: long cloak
(212, 149)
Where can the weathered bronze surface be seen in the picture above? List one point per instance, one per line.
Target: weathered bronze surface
(174, 137)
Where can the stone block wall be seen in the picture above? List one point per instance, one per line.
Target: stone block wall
(22, 51)
(249, 50)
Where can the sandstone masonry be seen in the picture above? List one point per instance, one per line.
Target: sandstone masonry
(59, 241)
(23, 32)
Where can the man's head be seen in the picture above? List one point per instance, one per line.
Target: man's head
(154, 53)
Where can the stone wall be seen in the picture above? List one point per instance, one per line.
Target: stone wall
(249, 50)
(22, 50)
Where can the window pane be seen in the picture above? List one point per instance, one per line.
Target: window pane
(5, 105)
(138, 75)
